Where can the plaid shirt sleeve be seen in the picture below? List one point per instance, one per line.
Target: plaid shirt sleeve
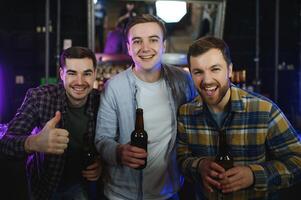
(19, 128)
(284, 147)
(187, 162)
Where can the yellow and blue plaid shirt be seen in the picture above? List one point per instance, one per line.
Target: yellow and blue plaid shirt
(258, 135)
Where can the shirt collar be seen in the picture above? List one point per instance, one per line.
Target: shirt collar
(237, 104)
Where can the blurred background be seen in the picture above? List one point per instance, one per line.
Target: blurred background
(264, 39)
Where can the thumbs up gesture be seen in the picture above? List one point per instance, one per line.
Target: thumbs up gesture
(50, 139)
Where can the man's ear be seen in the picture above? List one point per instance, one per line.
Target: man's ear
(129, 48)
(61, 73)
(164, 46)
(230, 68)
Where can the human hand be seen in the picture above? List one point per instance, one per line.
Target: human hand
(210, 172)
(131, 156)
(93, 171)
(236, 178)
(50, 139)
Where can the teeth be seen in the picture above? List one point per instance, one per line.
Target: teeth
(79, 88)
(210, 89)
(146, 57)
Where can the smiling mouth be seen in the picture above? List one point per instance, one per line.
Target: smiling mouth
(210, 90)
(147, 57)
(79, 89)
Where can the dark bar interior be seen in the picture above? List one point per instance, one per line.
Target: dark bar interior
(264, 38)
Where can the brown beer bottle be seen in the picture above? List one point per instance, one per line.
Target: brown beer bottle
(139, 135)
(223, 157)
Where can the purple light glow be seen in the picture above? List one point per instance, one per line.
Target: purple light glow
(1, 92)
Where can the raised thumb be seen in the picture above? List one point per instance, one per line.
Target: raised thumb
(55, 120)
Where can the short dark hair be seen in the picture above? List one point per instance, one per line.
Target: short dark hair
(207, 43)
(144, 18)
(130, 2)
(77, 52)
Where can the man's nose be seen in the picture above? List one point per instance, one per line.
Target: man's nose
(145, 46)
(79, 79)
(207, 78)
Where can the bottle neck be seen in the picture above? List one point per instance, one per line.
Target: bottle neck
(222, 142)
(139, 125)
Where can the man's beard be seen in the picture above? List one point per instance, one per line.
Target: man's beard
(222, 91)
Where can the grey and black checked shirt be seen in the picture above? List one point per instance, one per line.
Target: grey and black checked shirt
(39, 106)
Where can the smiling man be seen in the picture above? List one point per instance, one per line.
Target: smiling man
(265, 147)
(64, 117)
(156, 88)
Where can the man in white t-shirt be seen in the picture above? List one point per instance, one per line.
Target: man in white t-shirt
(159, 90)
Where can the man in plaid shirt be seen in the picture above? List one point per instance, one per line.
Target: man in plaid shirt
(265, 147)
(63, 116)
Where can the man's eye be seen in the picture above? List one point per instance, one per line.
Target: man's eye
(215, 69)
(154, 40)
(136, 42)
(197, 73)
(88, 74)
(70, 73)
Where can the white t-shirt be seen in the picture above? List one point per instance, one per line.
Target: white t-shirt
(157, 114)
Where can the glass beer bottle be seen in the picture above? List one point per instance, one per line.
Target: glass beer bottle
(139, 135)
(89, 157)
(223, 157)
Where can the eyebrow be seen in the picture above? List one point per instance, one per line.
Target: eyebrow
(70, 70)
(215, 65)
(152, 36)
(212, 66)
(136, 38)
(88, 70)
(197, 69)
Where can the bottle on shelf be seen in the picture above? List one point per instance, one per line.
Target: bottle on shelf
(242, 78)
(139, 135)
(235, 78)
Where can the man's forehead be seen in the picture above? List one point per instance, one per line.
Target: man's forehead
(207, 61)
(148, 29)
(79, 63)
